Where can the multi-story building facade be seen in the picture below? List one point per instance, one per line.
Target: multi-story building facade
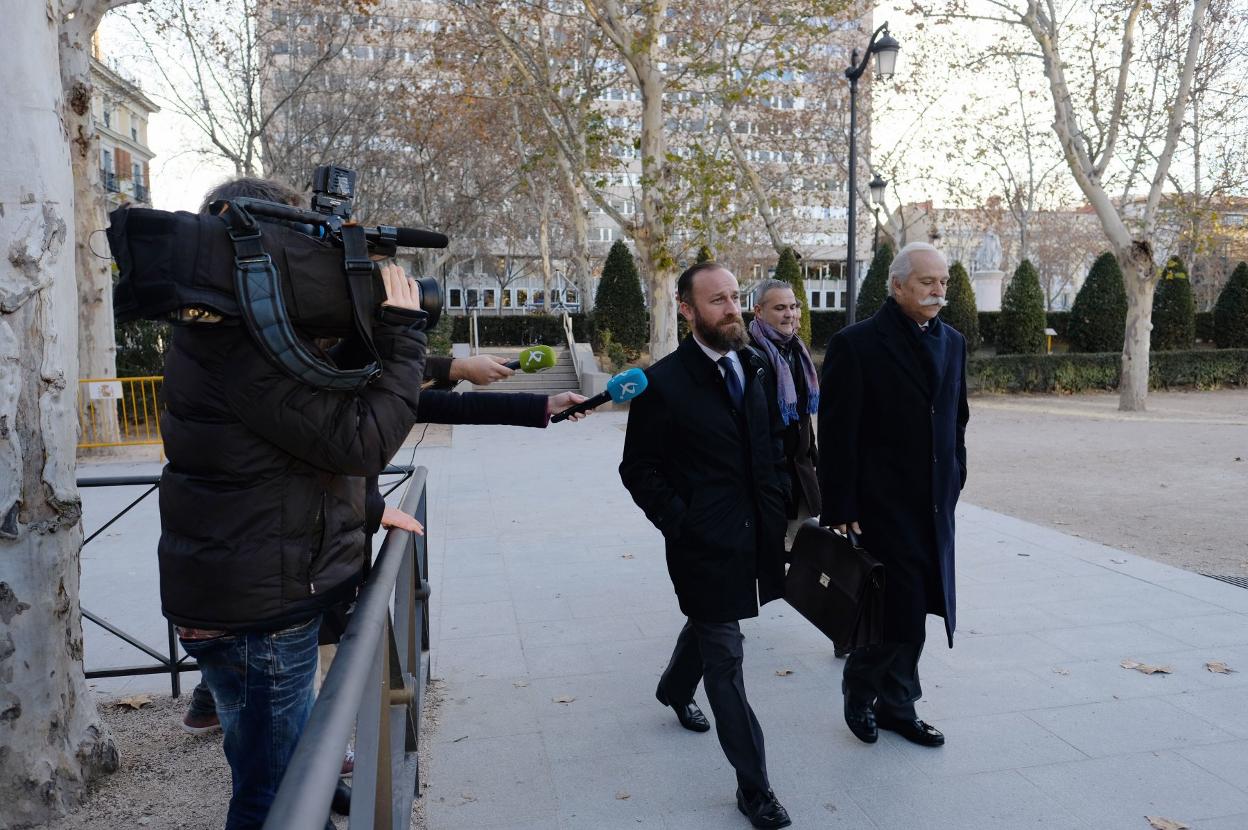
(121, 113)
(794, 138)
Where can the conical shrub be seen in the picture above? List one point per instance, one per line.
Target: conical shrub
(789, 271)
(961, 312)
(1230, 314)
(1020, 328)
(1098, 318)
(874, 289)
(619, 306)
(1174, 309)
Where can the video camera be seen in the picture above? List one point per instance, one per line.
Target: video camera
(283, 271)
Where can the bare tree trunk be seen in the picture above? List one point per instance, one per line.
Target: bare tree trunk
(97, 342)
(657, 261)
(543, 245)
(53, 743)
(1139, 280)
(582, 278)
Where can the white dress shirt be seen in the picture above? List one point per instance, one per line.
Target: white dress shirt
(715, 357)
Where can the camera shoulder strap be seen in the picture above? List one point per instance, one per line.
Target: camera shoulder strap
(359, 268)
(263, 309)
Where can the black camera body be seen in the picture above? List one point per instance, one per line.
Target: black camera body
(282, 271)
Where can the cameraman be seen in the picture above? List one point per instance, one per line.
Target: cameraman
(262, 508)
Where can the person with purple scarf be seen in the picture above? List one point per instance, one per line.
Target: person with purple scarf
(773, 331)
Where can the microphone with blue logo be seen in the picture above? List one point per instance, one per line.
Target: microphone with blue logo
(533, 359)
(623, 387)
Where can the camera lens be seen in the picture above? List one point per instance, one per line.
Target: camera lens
(430, 299)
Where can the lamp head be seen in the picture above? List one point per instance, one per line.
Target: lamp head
(877, 186)
(885, 50)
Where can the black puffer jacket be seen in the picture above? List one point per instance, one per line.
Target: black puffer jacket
(262, 503)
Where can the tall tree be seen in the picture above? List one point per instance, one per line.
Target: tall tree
(961, 312)
(1116, 124)
(1230, 315)
(789, 270)
(875, 286)
(1020, 327)
(1174, 309)
(1099, 309)
(54, 743)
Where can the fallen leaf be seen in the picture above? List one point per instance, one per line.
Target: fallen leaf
(1218, 667)
(520, 684)
(1024, 554)
(468, 796)
(134, 701)
(626, 556)
(1119, 561)
(1159, 823)
(1061, 671)
(1144, 668)
(460, 738)
(564, 699)
(783, 672)
(621, 796)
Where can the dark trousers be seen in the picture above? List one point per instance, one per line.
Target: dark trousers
(712, 653)
(886, 674)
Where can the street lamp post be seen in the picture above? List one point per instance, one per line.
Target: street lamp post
(877, 187)
(885, 50)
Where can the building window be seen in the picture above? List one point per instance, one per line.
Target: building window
(522, 297)
(473, 297)
(815, 299)
(488, 298)
(569, 296)
(455, 298)
(106, 161)
(108, 116)
(507, 297)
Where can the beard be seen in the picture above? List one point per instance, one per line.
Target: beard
(726, 336)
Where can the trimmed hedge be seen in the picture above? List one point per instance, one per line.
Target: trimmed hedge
(787, 270)
(520, 329)
(618, 305)
(1174, 310)
(874, 288)
(961, 313)
(1081, 372)
(1099, 313)
(1204, 326)
(1230, 313)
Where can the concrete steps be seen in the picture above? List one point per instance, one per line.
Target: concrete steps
(559, 378)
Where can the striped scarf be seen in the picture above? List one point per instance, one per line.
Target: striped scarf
(769, 340)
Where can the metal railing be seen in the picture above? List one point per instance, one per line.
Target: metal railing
(571, 341)
(169, 662)
(376, 685)
(119, 412)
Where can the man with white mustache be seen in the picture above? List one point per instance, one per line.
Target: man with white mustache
(892, 425)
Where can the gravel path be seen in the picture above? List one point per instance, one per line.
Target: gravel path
(1168, 483)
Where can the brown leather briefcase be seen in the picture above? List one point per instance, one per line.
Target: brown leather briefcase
(836, 585)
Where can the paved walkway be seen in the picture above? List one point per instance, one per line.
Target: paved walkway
(553, 616)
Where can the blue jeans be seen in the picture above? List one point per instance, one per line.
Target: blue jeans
(262, 684)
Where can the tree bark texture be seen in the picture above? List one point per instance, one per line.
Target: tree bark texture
(51, 741)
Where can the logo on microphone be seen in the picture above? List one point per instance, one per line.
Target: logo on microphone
(534, 356)
(629, 389)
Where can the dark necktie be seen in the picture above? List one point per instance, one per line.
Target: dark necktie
(734, 383)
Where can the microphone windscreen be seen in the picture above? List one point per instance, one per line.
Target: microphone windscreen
(419, 238)
(627, 385)
(536, 358)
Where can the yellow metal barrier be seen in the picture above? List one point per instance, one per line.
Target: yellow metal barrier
(118, 412)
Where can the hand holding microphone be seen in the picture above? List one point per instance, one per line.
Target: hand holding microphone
(623, 387)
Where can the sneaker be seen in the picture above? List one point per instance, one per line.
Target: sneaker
(348, 764)
(200, 724)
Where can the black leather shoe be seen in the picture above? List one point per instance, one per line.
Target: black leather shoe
(341, 802)
(915, 731)
(763, 810)
(860, 718)
(689, 715)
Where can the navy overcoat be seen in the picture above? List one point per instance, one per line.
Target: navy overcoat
(892, 425)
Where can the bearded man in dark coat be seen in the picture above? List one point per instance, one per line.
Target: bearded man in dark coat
(892, 422)
(703, 458)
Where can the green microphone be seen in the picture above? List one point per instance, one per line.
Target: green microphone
(533, 359)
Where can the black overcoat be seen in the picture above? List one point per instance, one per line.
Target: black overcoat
(892, 425)
(800, 450)
(711, 479)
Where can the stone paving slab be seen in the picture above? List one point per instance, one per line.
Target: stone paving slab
(553, 617)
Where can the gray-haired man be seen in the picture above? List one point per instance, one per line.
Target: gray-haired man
(893, 427)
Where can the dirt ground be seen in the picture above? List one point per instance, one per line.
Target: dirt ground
(1169, 483)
